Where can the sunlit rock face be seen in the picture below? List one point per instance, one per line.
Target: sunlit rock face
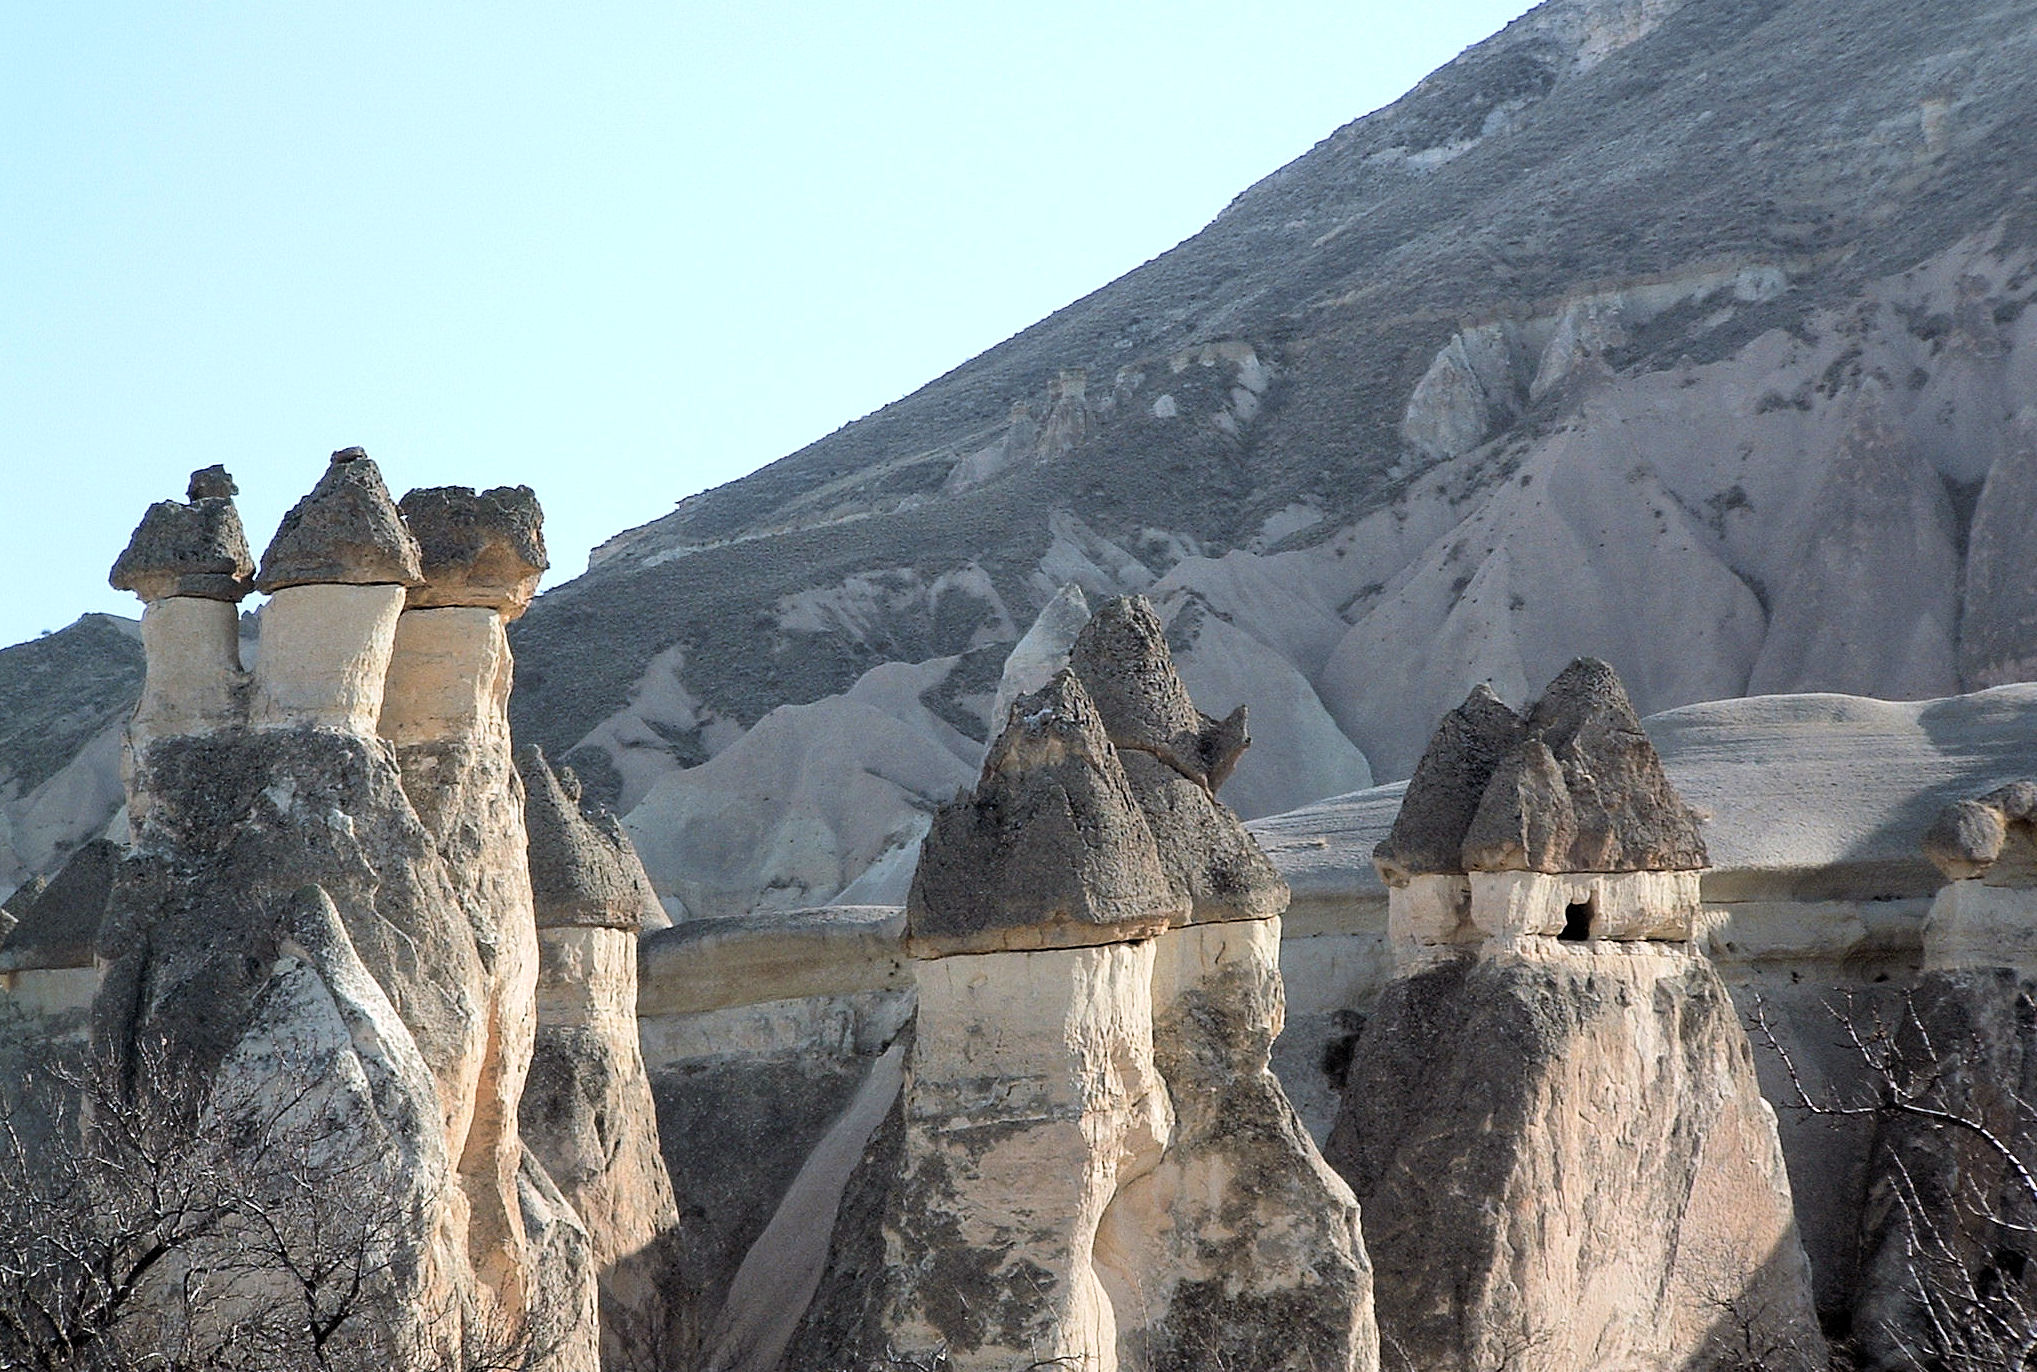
(328, 893)
(1552, 1117)
(1090, 1158)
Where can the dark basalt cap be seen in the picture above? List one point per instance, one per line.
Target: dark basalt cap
(1585, 792)
(1970, 837)
(482, 550)
(1442, 796)
(583, 870)
(346, 532)
(198, 550)
(1123, 660)
(1175, 757)
(1050, 850)
(60, 925)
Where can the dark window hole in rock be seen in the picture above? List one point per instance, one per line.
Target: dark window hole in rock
(1577, 921)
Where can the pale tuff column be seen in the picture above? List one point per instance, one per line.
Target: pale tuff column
(336, 574)
(1032, 1093)
(445, 709)
(587, 1111)
(190, 565)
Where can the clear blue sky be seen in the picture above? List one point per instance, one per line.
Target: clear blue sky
(618, 252)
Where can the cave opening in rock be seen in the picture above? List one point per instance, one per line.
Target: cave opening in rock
(1577, 921)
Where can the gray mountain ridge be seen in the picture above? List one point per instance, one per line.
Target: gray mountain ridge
(1688, 334)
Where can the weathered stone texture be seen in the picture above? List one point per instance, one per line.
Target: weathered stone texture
(196, 549)
(346, 532)
(1444, 792)
(1050, 850)
(1175, 758)
(59, 920)
(486, 549)
(583, 868)
(1566, 1162)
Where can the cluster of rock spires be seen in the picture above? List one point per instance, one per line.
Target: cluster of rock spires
(336, 899)
(344, 892)
(1091, 1163)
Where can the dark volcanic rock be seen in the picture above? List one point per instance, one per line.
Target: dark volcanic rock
(199, 549)
(1175, 757)
(346, 532)
(60, 923)
(1443, 794)
(486, 549)
(1585, 792)
(1050, 850)
(583, 870)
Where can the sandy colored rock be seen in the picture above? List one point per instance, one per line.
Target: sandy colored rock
(1050, 850)
(195, 549)
(995, 1220)
(346, 532)
(1565, 1161)
(325, 653)
(1966, 838)
(1444, 792)
(194, 683)
(486, 549)
(1241, 1247)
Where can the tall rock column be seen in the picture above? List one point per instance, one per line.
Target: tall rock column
(446, 711)
(1552, 1119)
(299, 939)
(587, 1110)
(1240, 1246)
(1031, 1091)
(190, 564)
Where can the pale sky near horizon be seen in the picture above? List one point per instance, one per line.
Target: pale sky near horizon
(619, 254)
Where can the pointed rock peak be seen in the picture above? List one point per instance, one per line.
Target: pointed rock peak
(1122, 657)
(1125, 664)
(1445, 790)
(197, 549)
(482, 550)
(583, 871)
(1607, 805)
(346, 532)
(59, 925)
(1050, 850)
(1042, 652)
(1586, 694)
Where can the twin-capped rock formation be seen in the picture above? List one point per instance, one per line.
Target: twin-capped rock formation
(1552, 1118)
(1091, 1163)
(327, 908)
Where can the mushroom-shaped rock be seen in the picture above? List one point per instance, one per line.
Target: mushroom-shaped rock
(583, 871)
(1623, 815)
(1427, 838)
(1050, 850)
(346, 532)
(1175, 757)
(60, 925)
(197, 549)
(477, 550)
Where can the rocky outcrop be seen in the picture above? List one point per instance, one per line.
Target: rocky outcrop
(586, 1109)
(1091, 1160)
(1552, 1117)
(328, 892)
(1947, 1276)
